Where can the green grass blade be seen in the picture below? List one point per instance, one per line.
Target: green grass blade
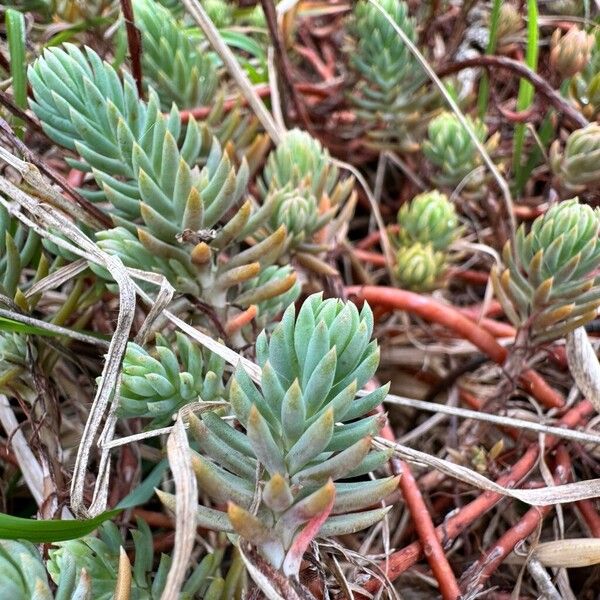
(46, 531)
(484, 84)
(525, 96)
(15, 33)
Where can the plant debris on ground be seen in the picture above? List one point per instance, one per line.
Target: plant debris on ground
(299, 299)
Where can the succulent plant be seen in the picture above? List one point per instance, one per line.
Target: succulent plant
(171, 62)
(158, 386)
(19, 249)
(269, 306)
(99, 557)
(304, 187)
(23, 576)
(391, 95)
(301, 161)
(451, 149)
(304, 432)
(167, 210)
(577, 167)
(549, 284)
(429, 218)
(570, 53)
(584, 88)
(419, 267)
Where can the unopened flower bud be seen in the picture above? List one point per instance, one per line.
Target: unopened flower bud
(570, 53)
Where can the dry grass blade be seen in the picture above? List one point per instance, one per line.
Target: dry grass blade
(51, 219)
(57, 278)
(559, 494)
(571, 553)
(563, 432)
(30, 468)
(186, 490)
(543, 580)
(584, 366)
(212, 35)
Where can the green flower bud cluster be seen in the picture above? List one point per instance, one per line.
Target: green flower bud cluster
(304, 188)
(550, 284)
(578, 166)
(584, 87)
(419, 267)
(428, 226)
(450, 148)
(305, 428)
(160, 385)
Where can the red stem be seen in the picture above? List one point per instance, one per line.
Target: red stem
(398, 562)
(432, 310)
(590, 515)
(478, 573)
(423, 524)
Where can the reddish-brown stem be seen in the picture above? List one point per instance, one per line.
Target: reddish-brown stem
(469, 275)
(398, 562)
(75, 178)
(154, 519)
(522, 70)
(373, 258)
(134, 41)
(590, 515)
(424, 527)
(482, 570)
(284, 65)
(432, 310)
(473, 312)
(432, 548)
(497, 328)
(236, 323)
(374, 237)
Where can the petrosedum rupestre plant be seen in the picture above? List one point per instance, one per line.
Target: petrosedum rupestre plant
(171, 62)
(428, 226)
(168, 210)
(577, 167)
(158, 386)
(450, 148)
(306, 191)
(23, 576)
(549, 285)
(304, 431)
(391, 95)
(419, 267)
(102, 560)
(429, 218)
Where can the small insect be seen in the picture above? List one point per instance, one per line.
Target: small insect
(189, 236)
